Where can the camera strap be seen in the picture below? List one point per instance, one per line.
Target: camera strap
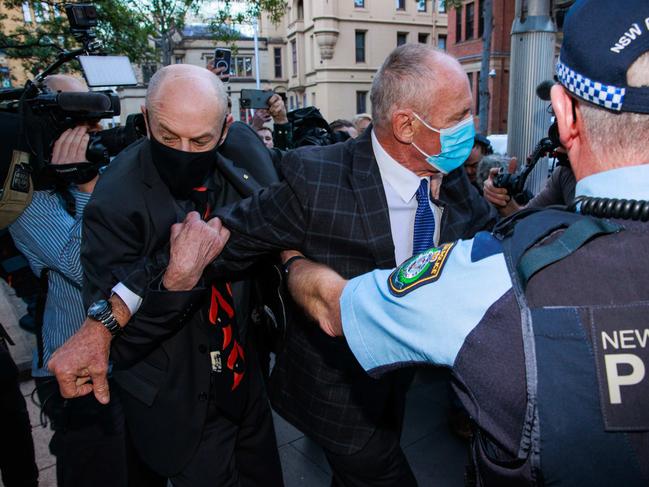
(17, 189)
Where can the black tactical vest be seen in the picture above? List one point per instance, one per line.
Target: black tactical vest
(582, 289)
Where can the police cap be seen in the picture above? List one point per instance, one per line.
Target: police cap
(602, 39)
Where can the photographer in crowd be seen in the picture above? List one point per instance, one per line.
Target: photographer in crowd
(558, 190)
(282, 133)
(48, 233)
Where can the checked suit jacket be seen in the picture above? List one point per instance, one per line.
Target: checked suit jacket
(331, 205)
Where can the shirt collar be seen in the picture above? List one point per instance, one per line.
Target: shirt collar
(403, 180)
(630, 182)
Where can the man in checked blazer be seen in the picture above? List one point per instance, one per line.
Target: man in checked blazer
(351, 206)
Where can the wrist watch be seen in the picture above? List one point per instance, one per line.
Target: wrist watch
(289, 262)
(102, 311)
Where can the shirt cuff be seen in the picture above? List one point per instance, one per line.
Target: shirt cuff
(132, 300)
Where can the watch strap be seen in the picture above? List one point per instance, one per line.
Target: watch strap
(290, 261)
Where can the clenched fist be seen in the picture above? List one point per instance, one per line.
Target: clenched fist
(194, 245)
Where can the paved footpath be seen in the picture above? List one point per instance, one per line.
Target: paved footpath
(436, 456)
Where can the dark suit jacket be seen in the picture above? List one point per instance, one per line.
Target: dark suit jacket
(160, 360)
(332, 207)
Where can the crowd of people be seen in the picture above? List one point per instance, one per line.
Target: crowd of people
(354, 251)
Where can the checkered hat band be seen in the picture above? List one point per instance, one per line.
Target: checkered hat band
(610, 97)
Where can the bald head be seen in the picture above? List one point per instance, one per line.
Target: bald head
(64, 83)
(186, 107)
(185, 79)
(416, 76)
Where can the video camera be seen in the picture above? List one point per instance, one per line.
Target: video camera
(32, 118)
(515, 183)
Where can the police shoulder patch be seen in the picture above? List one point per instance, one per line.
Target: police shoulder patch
(420, 269)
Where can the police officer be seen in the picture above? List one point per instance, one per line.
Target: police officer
(550, 350)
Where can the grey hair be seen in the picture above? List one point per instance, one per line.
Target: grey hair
(400, 79)
(184, 71)
(489, 162)
(620, 136)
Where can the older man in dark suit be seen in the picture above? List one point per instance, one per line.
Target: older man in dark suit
(193, 396)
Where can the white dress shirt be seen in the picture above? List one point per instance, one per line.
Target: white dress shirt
(401, 185)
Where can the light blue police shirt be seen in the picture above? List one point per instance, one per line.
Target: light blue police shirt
(423, 311)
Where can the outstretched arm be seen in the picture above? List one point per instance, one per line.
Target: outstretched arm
(412, 314)
(317, 289)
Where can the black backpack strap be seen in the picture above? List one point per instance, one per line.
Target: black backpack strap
(576, 235)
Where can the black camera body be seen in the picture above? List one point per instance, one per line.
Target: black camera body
(256, 99)
(515, 183)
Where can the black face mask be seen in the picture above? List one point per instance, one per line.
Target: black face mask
(76, 173)
(182, 171)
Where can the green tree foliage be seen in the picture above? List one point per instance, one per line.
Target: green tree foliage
(143, 30)
(225, 20)
(121, 29)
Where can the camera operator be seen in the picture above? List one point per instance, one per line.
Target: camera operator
(559, 190)
(282, 133)
(48, 233)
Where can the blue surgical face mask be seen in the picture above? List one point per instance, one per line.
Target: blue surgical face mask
(456, 142)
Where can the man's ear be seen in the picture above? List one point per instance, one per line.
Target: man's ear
(402, 126)
(562, 104)
(146, 120)
(229, 120)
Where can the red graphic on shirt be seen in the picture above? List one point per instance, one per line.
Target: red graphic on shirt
(220, 305)
(235, 362)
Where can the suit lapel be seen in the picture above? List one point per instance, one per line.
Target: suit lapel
(366, 182)
(241, 179)
(157, 197)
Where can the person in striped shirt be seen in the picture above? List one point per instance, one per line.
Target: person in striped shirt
(48, 233)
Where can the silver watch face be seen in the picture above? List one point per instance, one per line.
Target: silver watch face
(98, 308)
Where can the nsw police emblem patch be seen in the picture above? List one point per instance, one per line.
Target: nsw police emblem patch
(420, 269)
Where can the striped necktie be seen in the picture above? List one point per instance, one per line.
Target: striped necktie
(424, 221)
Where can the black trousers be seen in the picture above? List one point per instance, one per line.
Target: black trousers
(381, 462)
(241, 453)
(17, 462)
(89, 440)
